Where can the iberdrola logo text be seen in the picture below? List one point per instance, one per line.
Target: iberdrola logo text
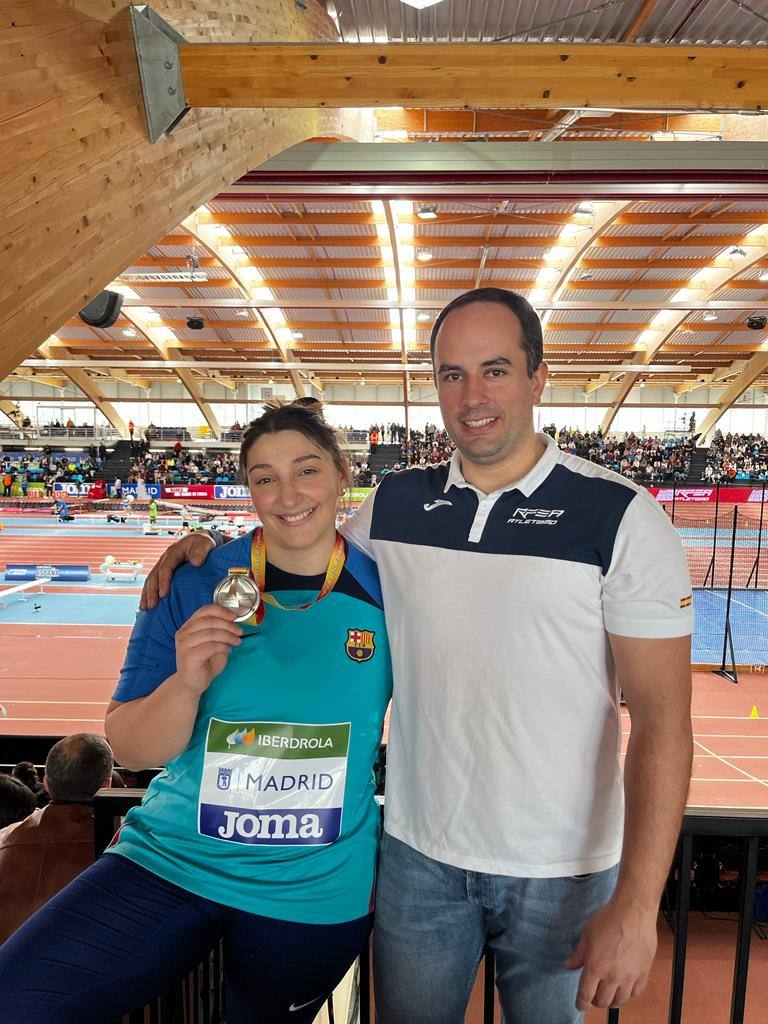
(273, 783)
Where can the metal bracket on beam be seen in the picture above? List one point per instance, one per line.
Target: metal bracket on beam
(157, 51)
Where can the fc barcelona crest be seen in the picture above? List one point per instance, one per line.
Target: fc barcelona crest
(360, 644)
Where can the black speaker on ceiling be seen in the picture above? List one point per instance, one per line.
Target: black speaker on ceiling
(102, 311)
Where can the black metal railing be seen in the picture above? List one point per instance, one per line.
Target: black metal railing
(200, 997)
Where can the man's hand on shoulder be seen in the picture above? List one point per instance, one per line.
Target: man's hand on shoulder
(195, 549)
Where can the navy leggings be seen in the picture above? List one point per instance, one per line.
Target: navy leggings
(118, 936)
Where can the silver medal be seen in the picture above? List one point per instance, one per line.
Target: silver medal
(239, 594)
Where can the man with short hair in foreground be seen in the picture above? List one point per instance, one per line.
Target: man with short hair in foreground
(45, 851)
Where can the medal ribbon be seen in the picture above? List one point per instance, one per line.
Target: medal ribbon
(259, 573)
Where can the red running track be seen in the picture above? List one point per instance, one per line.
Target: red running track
(79, 550)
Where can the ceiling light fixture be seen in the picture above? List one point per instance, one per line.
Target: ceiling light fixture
(427, 211)
(763, 275)
(130, 334)
(421, 5)
(297, 335)
(738, 251)
(424, 255)
(242, 312)
(710, 315)
(585, 208)
(423, 317)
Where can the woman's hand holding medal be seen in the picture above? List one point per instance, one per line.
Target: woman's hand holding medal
(203, 646)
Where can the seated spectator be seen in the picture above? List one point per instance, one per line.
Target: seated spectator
(26, 772)
(16, 803)
(44, 852)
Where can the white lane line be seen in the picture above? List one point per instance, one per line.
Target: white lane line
(61, 636)
(14, 719)
(727, 735)
(66, 703)
(735, 767)
(723, 718)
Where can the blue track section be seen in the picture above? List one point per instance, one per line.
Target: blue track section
(70, 609)
(749, 625)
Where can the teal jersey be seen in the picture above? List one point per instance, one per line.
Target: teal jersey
(270, 808)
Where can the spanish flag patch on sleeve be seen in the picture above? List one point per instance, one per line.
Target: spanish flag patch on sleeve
(685, 602)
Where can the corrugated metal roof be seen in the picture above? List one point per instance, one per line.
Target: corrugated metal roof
(549, 20)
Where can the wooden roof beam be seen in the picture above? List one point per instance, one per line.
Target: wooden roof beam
(666, 322)
(749, 373)
(159, 337)
(540, 77)
(249, 283)
(12, 411)
(715, 377)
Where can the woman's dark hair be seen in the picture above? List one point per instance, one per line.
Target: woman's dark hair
(305, 416)
(532, 341)
(16, 800)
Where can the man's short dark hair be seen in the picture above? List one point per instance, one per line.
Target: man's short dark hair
(78, 766)
(530, 324)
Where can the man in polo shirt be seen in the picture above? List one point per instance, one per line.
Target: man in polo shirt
(522, 587)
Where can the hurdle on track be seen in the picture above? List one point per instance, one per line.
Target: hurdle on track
(21, 589)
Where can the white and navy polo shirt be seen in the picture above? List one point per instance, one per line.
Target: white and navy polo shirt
(505, 731)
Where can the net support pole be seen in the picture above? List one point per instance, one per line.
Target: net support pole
(711, 569)
(756, 567)
(674, 495)
(730, 673)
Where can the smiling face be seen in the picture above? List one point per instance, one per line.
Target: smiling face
(295, 487)
(485, 394)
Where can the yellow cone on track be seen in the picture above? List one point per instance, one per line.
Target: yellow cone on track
(754, 713)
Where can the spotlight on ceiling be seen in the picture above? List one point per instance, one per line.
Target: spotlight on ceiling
(297, 335)
(424, 255)
(423, 317)
(103, 311)
(763, 275)
(427, 211)
(585, 208)
(738, 251)
(710, 315)
(242, 312)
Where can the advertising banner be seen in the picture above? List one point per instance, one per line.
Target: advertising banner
(177, 491)
(230, 492)
(707, 495)
(63, 573)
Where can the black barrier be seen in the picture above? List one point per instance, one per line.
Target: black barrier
(199, 998)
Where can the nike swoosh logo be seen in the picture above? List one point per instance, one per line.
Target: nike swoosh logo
(436, 504)
(293, 1008)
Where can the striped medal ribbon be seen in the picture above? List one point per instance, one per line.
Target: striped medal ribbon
(259, 572)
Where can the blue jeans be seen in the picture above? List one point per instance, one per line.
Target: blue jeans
(433, 922)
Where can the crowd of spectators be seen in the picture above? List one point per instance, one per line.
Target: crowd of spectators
(180, 466)
(737, 457)
(48, 467)
(425, 446)
(646, 460)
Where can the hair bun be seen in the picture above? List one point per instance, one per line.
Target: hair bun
(309, 402)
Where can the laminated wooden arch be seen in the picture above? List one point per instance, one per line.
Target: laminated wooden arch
(84, 193)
